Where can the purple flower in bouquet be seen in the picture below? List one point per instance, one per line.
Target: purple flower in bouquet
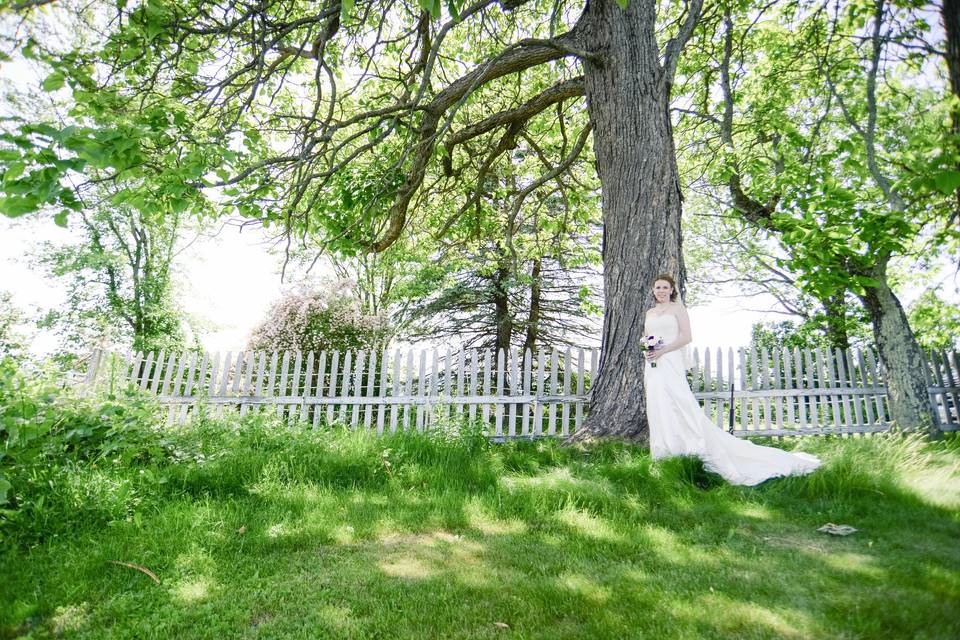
(651, 343)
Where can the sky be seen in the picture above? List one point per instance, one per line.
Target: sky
(227, 283)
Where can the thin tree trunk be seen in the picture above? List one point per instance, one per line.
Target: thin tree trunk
(902, 358)
(533, 319)
(836, 321)
(627, 99)
(501, 305)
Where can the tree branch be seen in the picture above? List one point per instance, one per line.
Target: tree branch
(675, 46)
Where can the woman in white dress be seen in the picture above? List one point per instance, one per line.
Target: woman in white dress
(678, 426)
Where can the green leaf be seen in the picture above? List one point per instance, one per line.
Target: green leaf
(14, 206)
(61, 218)
(453, 9)
(154, 29)
(54, 81)
(622, 3)
(433, 6)
(947, 181)
(346, 8)
(14, 170)
(5, 486)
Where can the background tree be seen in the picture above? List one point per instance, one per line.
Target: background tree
(725, 253)
(119, 278)
(935, 321)
(511, 273)
(818, 162)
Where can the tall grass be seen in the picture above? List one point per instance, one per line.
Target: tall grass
(258, 528)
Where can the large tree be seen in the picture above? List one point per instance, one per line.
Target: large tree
(303, 92)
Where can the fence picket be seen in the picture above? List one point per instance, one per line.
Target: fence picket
(777, 383)
(843, 382)
(705, 380)
(371, 389)
(541, 380)
(357, 388)
(434, 385)
(498, 408)
(188, 388)
(382, 390)
(421, 389)
(720, 385)
(813, 412)
(882, 416)
(486, 371)
(343, 416)
(565, 409)
(743, 387)
(788, 383)
(934, 378)
(332, 385)
(765, 384)
(952, 409)
(552, 409)
(472, 390)
(526, 407)
(320, 384)
(146, 371)
(578, 408)
(754, 379)
(954, 359)
(307, 386)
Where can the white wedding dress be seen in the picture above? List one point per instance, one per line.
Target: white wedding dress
(679, 427)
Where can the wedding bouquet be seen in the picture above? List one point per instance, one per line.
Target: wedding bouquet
(651, 343)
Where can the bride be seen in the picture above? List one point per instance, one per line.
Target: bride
(678, 427)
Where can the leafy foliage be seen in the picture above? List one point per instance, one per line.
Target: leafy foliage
(45, 429)
(935, 321)
(11, 341)
(119, 277)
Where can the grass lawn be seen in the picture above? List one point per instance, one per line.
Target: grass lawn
(267, 532)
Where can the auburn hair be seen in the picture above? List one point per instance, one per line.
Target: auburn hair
(666, 277)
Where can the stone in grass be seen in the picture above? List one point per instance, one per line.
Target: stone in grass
(837, 529)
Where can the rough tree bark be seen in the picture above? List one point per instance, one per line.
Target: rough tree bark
(901, 356)
(628, 98)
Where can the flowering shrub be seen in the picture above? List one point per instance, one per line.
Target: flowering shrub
(319, 319)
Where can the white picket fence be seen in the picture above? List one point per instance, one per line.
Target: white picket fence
(520, 394)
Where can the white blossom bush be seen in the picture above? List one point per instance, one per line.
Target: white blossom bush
(325, 318)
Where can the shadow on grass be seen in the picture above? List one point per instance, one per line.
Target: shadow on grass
(595, 543)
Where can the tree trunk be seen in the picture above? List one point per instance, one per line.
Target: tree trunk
(501, 304)
(533, 319)
(836, 320)
(902, 358)
(627, 99)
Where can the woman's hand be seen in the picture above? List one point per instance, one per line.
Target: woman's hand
(654, 355)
